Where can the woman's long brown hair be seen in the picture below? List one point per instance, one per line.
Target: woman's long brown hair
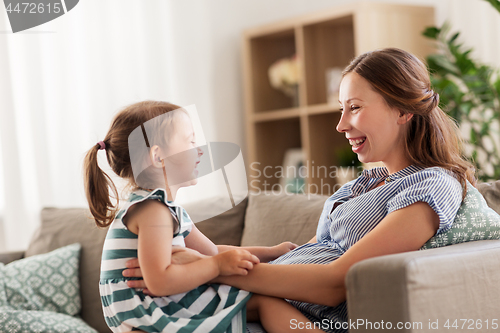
(432, 137)
(97, 183)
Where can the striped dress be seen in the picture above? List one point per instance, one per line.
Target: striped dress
(208, 308)
(357, 207)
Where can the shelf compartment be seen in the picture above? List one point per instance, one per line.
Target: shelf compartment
(324, 141)
(328, 44)
(273, 139)
(264, 52)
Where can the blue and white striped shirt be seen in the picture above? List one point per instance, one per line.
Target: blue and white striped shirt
(359, 206)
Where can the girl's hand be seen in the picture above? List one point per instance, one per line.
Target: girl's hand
(283, 248)
(235, 262)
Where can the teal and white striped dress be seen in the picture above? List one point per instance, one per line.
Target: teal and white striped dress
(208, 308)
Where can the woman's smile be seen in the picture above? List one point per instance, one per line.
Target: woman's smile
(372, 127)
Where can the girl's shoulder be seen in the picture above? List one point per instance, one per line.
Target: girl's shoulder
(435, 180)
(179, 215)
(141, 195)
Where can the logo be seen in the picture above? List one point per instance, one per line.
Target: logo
(28, 14)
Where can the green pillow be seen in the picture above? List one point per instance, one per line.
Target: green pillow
(474, 221)
(14, 321)
(45, 282)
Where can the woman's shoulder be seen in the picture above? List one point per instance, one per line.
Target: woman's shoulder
(438, 173)
(435, 178)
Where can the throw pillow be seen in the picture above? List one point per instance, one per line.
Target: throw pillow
(16, 321)
(45, 282)
(225, 228)
(474, 221)
(272, 218)
(65, 226)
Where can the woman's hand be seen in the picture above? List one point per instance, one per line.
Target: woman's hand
(235, 262)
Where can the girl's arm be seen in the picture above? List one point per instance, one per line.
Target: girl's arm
(196, 240)
(404, 230)
(154, 225)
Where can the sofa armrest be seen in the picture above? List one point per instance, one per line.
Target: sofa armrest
(7, 257)
(421, 287)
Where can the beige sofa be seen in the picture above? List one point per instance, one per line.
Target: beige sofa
(454, 282)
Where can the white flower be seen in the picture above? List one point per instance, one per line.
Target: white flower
(284, 75)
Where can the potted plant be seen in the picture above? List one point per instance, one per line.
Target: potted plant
(348, 165)
(470, 93)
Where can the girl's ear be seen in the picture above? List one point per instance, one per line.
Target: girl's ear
(404, 118)
(154, 156)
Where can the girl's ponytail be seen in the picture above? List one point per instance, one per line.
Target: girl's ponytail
(97, 184)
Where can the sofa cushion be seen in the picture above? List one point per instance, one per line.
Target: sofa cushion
(474, 221)
(273, 218)
(63, 226)
(491, 193)
(46, 282)
(222, 229)
(41, 321)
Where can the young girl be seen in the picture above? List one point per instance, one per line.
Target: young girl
(150, 223)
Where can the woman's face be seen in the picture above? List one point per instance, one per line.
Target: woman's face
(373, 129)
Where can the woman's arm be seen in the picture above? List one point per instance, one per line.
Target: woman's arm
(404, 230)
(264, 253)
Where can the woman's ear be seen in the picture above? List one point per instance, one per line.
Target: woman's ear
(404, 118)
(154, 156)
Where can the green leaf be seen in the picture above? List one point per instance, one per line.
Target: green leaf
(495, 4)
(473, 137)
(431, 32)
(496, 85)
(452, 39)
(474, 156)
(485, 129)
(443, 64)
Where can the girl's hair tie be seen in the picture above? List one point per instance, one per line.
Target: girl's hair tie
(102, 145)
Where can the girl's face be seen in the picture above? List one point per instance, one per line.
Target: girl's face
(373, 129)
(183, 154)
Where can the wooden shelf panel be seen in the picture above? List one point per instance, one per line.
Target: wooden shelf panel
(322, 108)
(276, 115)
